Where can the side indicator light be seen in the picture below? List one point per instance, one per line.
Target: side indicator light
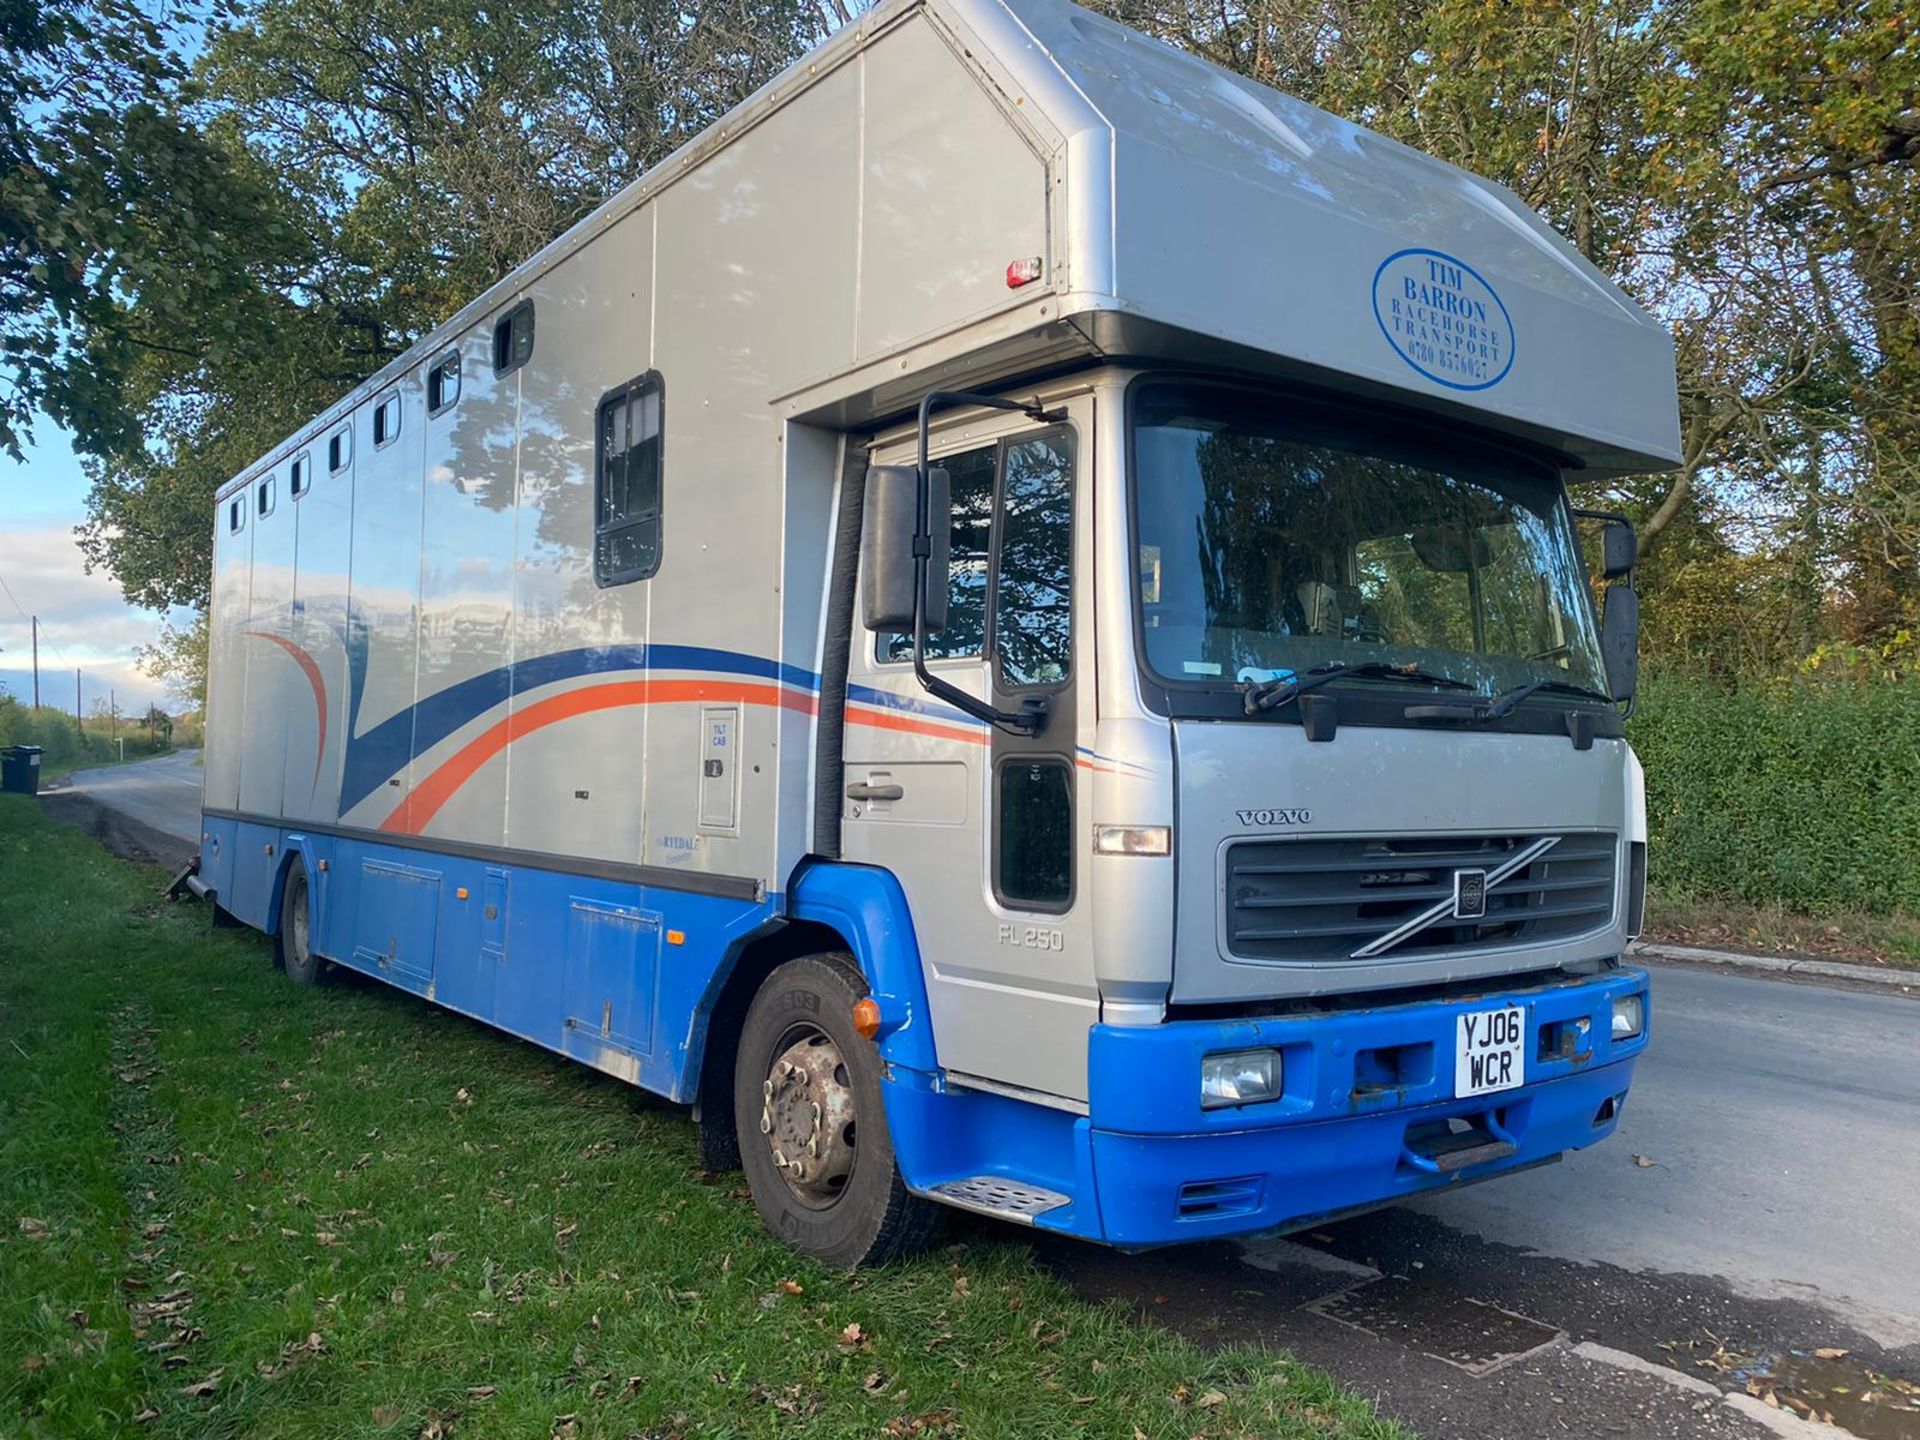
(676, 937)
(461, 893)
(866, 1017)
(1022, 272)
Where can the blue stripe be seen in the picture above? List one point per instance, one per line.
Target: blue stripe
(389, 746)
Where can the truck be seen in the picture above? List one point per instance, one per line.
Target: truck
(1007, 626)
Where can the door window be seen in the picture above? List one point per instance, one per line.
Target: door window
(1032, 609)
(1033, 858)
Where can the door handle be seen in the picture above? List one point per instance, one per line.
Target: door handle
(860, 790)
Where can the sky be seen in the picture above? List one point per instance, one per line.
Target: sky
(84, 620)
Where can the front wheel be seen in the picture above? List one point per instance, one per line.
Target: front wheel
(812, 1124)
(293, 941)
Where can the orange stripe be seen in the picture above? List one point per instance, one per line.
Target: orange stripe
(894, 720)
(424, 801)
(319, 687)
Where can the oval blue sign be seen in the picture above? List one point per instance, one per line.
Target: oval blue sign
(1443, 319)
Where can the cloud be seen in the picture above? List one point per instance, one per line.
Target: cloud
(84, 622)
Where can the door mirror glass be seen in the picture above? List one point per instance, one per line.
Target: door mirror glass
(886, 548)
(1619, 549)
(1620, 640)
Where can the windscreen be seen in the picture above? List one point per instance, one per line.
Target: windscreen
(1275, 535)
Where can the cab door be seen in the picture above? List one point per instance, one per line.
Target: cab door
(982, 826)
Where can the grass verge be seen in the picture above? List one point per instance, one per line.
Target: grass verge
(1853, 937)
(229, 1207)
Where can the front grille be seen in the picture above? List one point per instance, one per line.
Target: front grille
(1314, 900)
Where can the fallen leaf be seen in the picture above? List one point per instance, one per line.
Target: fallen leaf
(206, 1385)
(482, 1392)
(141, 1417)
(463, 1095)
(437, 1258)
(874, 1383)
(1645, 1162)
(793, 1287)
(33, 1229)
(853, 1336)
(1829, 1352)
(385, 1415)
(1212, 1400)
(326, 1237)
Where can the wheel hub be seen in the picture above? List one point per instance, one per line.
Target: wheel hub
(806, 1113)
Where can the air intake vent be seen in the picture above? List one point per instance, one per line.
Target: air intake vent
(1205, 1199)
(1321, 900)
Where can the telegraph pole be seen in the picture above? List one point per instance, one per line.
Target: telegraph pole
(36, 662)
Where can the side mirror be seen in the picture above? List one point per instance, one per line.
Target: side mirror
(886, 548)
(1620, 639)
(1619, 549)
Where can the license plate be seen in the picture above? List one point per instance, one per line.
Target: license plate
(1490, 1051)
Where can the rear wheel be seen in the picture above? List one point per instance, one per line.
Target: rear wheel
(293, 941)
(812, 1124)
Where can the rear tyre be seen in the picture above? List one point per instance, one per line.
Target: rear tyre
(293, 940)
(812, 1123)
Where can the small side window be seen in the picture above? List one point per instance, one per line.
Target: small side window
(265, 493)
(443, 383)
(236, 515)
(386, 419)
(1033, 854)
(300, 478)
(513, 338)
(339, 450)
(627, 497)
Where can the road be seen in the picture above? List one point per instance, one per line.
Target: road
(1761, 1198)
(163, 793)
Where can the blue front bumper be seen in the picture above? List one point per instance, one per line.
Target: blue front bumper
(1364, 1093)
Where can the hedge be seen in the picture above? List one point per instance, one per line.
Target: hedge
(1805, 794)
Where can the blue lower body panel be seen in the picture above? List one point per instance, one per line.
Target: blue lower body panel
(616, 974)
(1366, 1093)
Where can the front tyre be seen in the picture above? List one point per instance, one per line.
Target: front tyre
(293, 940)
(812, 1124)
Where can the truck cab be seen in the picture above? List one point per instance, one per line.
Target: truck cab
(1268, 830)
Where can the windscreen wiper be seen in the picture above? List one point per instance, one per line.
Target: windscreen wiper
(1505, 703)
(1271, 694)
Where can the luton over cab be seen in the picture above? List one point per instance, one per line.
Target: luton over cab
(1007, 626)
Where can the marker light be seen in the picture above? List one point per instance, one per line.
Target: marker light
(1239, 1077)
(866, 1017)
(1022, 272)
(1132, 840)
(1628, 1017)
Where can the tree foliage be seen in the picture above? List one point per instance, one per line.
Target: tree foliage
(200, 255)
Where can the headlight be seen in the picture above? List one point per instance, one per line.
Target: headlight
(1629, 1015)
(1239, 1077)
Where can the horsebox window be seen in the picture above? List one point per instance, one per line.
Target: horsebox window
(627, 490)
(300, 478)
(386, 419)
(443, 383)
(513, 338)
(339, 450)
(266, 496)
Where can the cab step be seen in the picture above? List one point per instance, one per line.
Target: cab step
(995, 1195)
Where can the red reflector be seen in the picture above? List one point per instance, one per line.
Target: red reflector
(1022, 272)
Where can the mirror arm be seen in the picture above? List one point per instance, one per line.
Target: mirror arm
(1031, 718)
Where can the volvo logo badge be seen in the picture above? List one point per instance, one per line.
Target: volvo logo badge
(1469, 894)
